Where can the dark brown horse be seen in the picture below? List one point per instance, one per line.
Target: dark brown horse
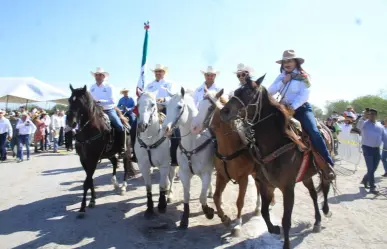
(233, 161)
(95, 141)
(278, 152)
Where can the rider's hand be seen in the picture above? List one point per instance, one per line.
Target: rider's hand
(160, 100)
(287, 78)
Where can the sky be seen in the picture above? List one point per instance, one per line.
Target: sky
(60, 42)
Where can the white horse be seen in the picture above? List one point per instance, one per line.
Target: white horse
(195, 153)
(152, 149)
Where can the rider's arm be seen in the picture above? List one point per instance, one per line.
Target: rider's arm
(119, 103)
(360, 124)
(276, 86)
(302, 97)
(109, 97)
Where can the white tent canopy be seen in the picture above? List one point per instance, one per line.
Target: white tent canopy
(29, 89)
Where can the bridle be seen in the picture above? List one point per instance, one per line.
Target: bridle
(174, 124)
(256, 102)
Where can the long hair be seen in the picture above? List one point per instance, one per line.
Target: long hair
(298, 67)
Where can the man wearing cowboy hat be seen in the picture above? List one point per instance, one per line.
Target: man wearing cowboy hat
(126, 104)
(5, 134)
(209, 75)
(160, 88)
(243, 72)
(14, 141)
(350, 111)
(103, 95)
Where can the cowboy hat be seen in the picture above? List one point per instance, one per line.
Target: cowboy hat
(99, 70)
(160, 67)
(243, 68)
(24, 114)
(289, 55)
(210, 70)
(2, 111)
(124, 90)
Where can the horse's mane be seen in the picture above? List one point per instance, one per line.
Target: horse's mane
(95, 112)
(283, 115)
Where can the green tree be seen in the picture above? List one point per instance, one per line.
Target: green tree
(318, 112)
(371, 101)
(339, 106)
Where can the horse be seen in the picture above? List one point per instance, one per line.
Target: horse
(95, 140)
(152, 148)
(195, 152)
(233, 161)
(284, 160)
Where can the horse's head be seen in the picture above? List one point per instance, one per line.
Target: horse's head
(244, 102)
(147, 109)
(77, 103)
(178, 111)
(207, 109)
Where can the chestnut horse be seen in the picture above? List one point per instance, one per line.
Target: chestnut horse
(277, 150)
(233, 161)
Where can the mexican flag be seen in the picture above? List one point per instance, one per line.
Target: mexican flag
(141, 80)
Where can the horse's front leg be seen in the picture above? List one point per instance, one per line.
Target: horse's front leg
(237, 227)
(267, 193)
(171, 177)
(221, 184)
(206, 182)
(145, 171)
(114, 162)
(164, 173)
(185, 177)
(288, 196)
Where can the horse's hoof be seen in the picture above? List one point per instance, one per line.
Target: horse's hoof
(329, 214)
(92, 205)
(317, 228)
(116, 187)
(257, 212)
(275, 230)
(236, 232)
(226, 221)
(169, 200)
(149, 214)
(162, 210)
(81, 215)
(210, 213)
(183, 225)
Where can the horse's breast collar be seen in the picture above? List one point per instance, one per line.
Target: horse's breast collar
(150, 147)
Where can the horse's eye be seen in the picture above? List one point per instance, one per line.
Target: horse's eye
(179, 107)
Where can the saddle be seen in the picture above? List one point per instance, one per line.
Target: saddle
(301, 136)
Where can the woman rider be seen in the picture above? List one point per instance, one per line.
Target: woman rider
(294, 88)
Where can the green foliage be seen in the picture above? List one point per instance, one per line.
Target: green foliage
(359, 104)
(318, 112)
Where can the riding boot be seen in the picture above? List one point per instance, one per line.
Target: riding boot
(327, 170)
(122, 143)
(175, 141)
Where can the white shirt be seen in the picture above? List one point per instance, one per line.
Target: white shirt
(47, 120)
(25, 128)
(159, 89)
(296, 91)
(104, 94)
(5, 126)
(199, 92)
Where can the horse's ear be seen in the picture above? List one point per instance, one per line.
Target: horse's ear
(259, 81)
(219, 94)
(84, 88)
(71, 88)
(182, 91)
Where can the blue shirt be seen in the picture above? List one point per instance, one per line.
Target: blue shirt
(126, 101)
(372, 134)
(385, 139)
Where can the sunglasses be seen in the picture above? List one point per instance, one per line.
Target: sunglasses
(159, 71)
(241, 75)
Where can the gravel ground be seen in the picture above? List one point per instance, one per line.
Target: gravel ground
(40, 199)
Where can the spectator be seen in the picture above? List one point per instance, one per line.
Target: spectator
(384, 153)
(40, 130)
(14, 141)
(5, 133)
(56, 127)
(335, 131)
(26, 127)
(62, 122)
(47, 121)
(372, 137)
(349, 111)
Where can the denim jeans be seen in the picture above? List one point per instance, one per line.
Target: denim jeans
(305, 115)
(3, 146)
(372, 159)
(55, 144)
(384, 160)
(114, 119)
(23, 140)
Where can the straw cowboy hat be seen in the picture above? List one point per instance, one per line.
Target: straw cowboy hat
(124, 90)
(289, 55)
(99, 70)
(243, 68)
(160, 67)
(210, 70)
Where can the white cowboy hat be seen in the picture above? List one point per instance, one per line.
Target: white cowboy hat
(210, 70)
(289, 55)
(99, 71)
(24, 114)
(124, 90)
(243, 68)
(160, 67)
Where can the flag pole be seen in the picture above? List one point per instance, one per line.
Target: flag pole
(141, 81)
